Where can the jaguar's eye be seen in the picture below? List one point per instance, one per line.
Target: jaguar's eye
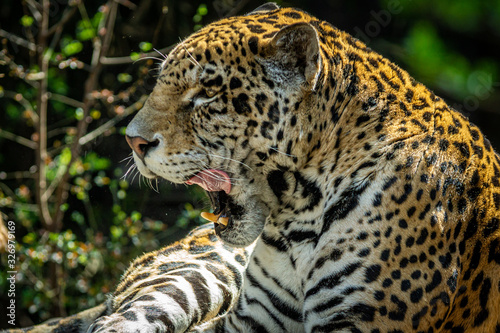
(208, 93)
(204, 96)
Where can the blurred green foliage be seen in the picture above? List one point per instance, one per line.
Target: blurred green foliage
(74, 266)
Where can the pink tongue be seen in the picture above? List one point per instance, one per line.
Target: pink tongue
(212, 180)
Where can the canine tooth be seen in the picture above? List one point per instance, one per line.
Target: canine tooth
(223, 220)
(209, 216)
(215, 218)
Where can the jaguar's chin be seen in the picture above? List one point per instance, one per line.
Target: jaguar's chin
(238, 225)
(246, 217)
(143, 169)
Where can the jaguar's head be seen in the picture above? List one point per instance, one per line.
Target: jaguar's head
(226, 111)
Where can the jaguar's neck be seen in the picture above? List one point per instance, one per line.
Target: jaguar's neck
(363, 108)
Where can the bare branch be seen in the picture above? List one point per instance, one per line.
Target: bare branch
(46, 218)
(66, 100)
(101, 46)
(112, 122)
(109, 30)
(128, 60)
(35, 9)
(19, 41)
(12, 203)
(61, 130)
(18, 70)
(18, 139)
(127, 4)
(64, 19)
(21, 100)
(61, 170)
(19, 175)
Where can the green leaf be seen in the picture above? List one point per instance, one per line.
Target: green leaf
(13, 111)
(96, 20)
(97, 163)
(79, 114)
(202, 9)
(116, 231)
(197, 18)
(135, 56)
(145, 46)
(65, 156)
(26, 21)
(72, 47)
(124, 78)
(57, 82)
(85, 34)
(135, 216)
(85, 30)
(78, 217)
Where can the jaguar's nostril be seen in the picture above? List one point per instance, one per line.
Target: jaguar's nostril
(140, 145)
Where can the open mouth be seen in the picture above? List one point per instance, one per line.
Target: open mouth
(221, 217)
(218, 185)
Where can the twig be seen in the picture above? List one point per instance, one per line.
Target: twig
(101, 46)
(7, 190)
(66, 100)
(128, 60)
(16, 175)
(112, 122)
(21, 100)
(35, 9)
(22, 206)
(18, 70)
(163, 16)
(65, 18)
(61, 170)
(19, 139)
(60, 130)
(127, 4)
(42, 100)
(19, 41)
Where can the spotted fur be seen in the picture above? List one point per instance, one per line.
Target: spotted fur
(374, 206)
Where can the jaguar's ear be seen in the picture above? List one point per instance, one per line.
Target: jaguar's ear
(267, 7)
(295, 51)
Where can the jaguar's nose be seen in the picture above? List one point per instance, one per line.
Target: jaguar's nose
(140, 146)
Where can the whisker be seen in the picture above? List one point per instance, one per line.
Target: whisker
(231, 159)
(190, 55)
(279, 151)
(212, 175)
(130, 169)
(180, 172)
(154, 188)
(135, 175)
(145, 58)
(216, 177)
(127, 158)
(164, 56)
(204, 166)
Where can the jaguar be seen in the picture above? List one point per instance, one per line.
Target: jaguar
(346, 196)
